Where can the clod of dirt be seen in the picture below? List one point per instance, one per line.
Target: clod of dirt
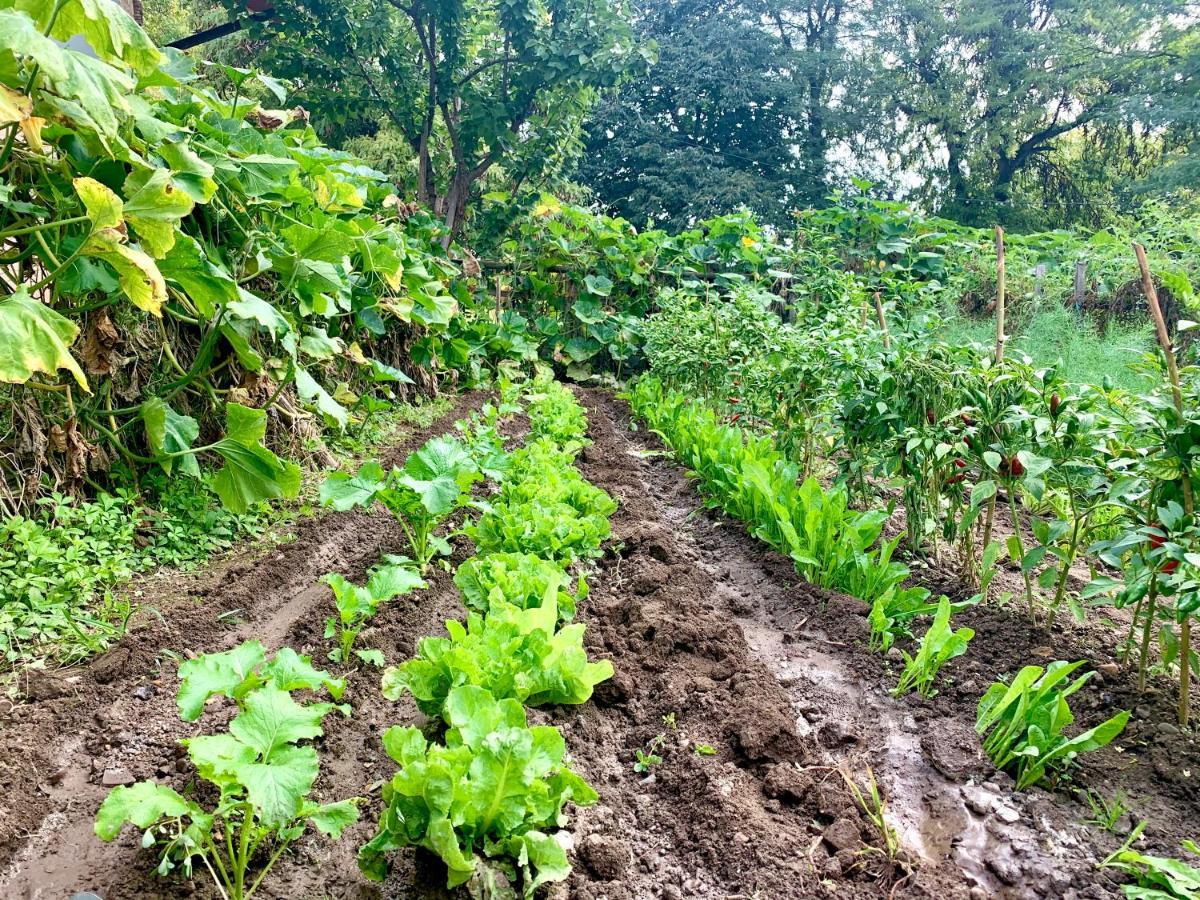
(39, 685)
(607, 858)
(787, 783)
(844, 834)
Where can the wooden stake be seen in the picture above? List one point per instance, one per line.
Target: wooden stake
(1164, 341)
(887, 343)
(999, 293)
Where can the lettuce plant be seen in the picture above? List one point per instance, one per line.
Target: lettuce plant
(519, 579)
(512, 652)
(432, 484)
(485, 802)
(555, 413)
(939, 645)
(356, 604)
(1026, 720)
(261, 767)
(552, 530)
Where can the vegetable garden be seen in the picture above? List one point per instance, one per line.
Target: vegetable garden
(347, 553)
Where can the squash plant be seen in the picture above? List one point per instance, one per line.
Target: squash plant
(356, 604)
(430, 486)
(261, 766)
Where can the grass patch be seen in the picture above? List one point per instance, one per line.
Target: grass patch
(1057, 334)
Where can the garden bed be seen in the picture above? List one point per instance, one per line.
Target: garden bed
(760, 686)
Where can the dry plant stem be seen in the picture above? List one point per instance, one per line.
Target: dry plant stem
(1164, 341)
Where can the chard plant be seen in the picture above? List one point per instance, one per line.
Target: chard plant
(512, 652)
(262, 767)
(1024, 723)
(939, 645)
(517, 579)
(486, 802)
(356, 604)
(432, 484)
(1154, 877)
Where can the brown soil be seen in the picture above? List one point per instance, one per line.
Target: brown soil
(715, 642)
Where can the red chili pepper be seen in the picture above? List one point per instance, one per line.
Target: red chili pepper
(734, 418)
(960, 463)
(930, 417)
(1055, 403)
(1015, 467)
(1157, 540)
(1170, 566)
(734, 400)
(967, 420)
(955, 479)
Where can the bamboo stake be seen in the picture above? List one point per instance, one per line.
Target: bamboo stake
(1164, 341)
(998, 358)
(887, 343)
(1000, 279)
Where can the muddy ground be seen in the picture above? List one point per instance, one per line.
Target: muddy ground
(716, 645)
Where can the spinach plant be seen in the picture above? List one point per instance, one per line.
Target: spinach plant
(485, 802)
(432, 484)
(260, 766)
(357, 603)
(1026, 720)
(939, 645)
(1155, 877)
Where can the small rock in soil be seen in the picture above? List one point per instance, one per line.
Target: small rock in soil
(835, 734)
(144, 692)
(115, 777)
(1109, 670)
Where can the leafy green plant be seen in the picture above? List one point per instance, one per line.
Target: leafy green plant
(1154, 877)
(518, 579)
(939, 645)
(555, 413)
(511, 652)
(432, 484)
(1024, 723)
(356, 604)
(487, 800)
(262, 771)
(646, 758)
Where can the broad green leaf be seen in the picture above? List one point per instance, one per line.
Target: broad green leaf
(311, 391)
(343, 491)
(217, 757)
(331, 819)
(599, 285)
(438, 473)
(140, 804)
(169, 432)
(253, 308)
(278, 785)
(230, 673)
(208, 284)
(289, 671)
(155, 207)
(271, 718)
(251, 472)
(34, 338)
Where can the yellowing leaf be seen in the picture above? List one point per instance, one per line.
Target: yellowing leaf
(103, 206)
(14, 106)
(32, 129)
(34, 338)
(137, 273)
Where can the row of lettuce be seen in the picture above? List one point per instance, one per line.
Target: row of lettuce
(487, 793)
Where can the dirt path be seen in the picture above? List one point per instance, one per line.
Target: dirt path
(715, 645)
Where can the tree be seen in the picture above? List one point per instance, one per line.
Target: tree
(469, 84)
(980, 95)
(735, 112)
